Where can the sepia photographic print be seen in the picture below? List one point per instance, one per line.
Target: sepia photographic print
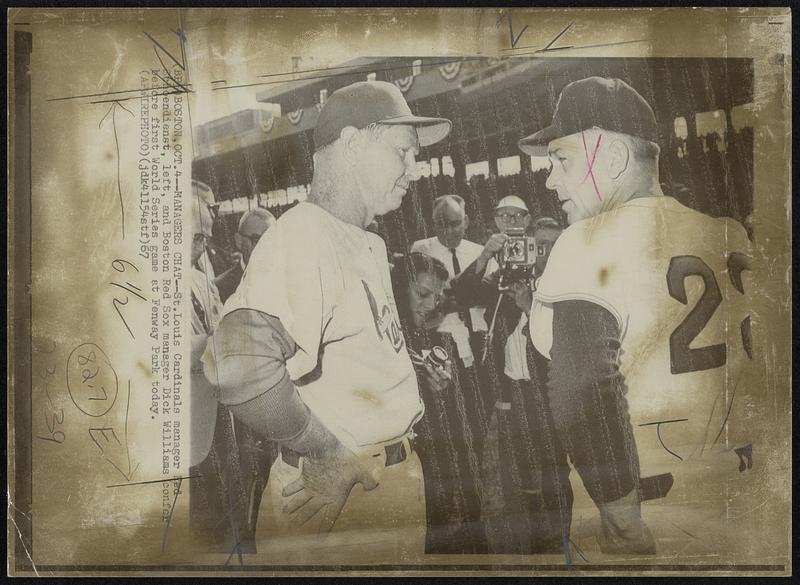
(419, 291)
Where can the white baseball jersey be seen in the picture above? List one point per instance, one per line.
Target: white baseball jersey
(328, 282)
(676, 282)
(206, 308)
(206, 303)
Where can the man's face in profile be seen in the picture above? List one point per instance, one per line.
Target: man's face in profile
(387, 167)
(577, 173)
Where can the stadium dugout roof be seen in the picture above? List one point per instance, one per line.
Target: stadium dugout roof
(725, 80)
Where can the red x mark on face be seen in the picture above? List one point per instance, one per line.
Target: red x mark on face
(589, 172)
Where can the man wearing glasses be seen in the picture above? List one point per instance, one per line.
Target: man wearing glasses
(510, 214)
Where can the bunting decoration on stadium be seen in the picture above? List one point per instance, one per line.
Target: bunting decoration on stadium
(450, 70)
(404, 83)
(266, 120)
(294, 117)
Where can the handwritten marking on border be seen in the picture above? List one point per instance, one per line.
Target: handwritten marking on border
(92, 382)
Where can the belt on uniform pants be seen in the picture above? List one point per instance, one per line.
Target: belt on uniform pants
(395, 453)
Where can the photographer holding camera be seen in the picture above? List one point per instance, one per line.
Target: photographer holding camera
(526, 498)
(510, 215)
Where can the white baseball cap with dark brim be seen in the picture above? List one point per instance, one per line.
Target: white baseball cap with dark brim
(369, 102)
(512, 201)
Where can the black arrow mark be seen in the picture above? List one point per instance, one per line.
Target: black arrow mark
(558, 36)
(658, 432)
(113, 111)
(514, 40)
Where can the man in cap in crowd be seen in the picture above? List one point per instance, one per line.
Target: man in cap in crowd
(634, 280)
(450, 223)
(511, 214)
(309, 351)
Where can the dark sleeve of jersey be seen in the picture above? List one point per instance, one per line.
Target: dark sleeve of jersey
(251, 349)
(587, 395)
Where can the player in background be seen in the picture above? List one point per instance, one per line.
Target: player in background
(642, 310)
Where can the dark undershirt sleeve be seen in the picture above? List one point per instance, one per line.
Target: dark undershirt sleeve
(587, 395)
(251, 350)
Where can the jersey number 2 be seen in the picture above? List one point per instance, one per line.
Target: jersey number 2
(683, 358)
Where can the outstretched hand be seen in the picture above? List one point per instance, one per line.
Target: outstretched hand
(495, 244)
(324, 486)
(438, 378)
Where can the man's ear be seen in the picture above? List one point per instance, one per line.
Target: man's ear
(466, 221)
(619, 157)
(351, 144)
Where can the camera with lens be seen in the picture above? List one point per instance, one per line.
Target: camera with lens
(517, 259)
(437, 357)
(519, 249)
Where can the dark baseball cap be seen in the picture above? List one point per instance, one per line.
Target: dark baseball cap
(599, 102)
(368, 102)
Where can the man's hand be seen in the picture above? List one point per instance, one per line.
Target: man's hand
(438, 379)
(237, 260)
(622, 530)
(449, 304)
(492, 247)
(492, 279)
(522, 295)
(234, 270)
(324, 485)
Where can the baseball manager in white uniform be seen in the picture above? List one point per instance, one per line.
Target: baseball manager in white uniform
(309, 350)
